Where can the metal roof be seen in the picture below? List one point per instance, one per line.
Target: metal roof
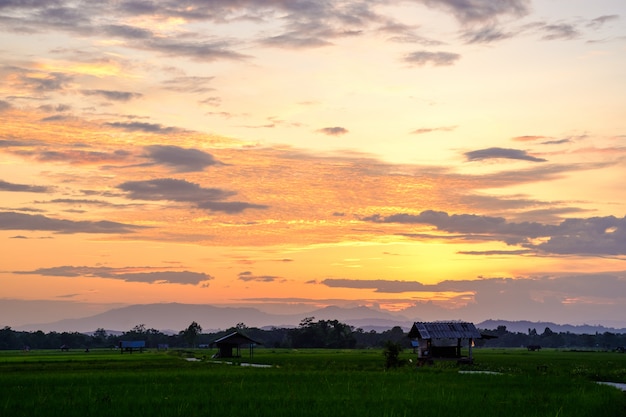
(235, 338)
(444, 330)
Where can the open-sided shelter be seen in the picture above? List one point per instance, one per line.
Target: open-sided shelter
(229, 346)
(434, 340)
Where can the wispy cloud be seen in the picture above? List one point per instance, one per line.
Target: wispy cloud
(424, 130)
(501, 153)
(113, 95)
(528, 138)
(563, 31)
(248, 276)
(189, 84)
(129, 274)
(421, 58)
(23, 188)
(20, 221)
(333, 131)
(143, 127)
(480, 11)
(487, 34)
(600, 21)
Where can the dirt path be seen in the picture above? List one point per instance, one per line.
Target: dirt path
(617, 385)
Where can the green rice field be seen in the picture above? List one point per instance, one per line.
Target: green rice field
(309, 382)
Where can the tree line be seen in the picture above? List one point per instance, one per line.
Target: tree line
(310, 333)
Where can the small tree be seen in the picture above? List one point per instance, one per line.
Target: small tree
(392, 354)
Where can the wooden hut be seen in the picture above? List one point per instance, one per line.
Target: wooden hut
(230, 345)
(443, 340)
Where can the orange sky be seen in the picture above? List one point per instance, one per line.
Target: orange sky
(429, 158)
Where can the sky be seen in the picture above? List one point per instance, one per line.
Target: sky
(440, 159)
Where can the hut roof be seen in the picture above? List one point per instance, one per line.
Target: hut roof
(444, 330)
(235, 338)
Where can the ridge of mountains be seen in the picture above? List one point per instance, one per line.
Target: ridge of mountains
(174, 317)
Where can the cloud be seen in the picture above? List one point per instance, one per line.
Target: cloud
(4, 105)
(600, 21)
(127, 32)
(36, 81)
(586, 285)
(295, 40)
(189, 84)
(56, 118)
(19, 221)
(486, 34)
(79, 157)
(591, 236)
(435, 58)
(170, 189)
(128, 274)
(468, 223)
(556, 142)
(199, 51)
(16, 143)
(501, 153)
(143, 127)
(527, 138)
(173, 190)
(424, 130)
(7, 186)
(57, 108)
(181, 159)
(247, 276)
(81, 202)
(333, 131)
(587, 236)
(214, 101)
(479, 11)
(379, 285)
(113, 95)
(564, 31)
(498, 252)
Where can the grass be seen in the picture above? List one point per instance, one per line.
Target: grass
(308, 383)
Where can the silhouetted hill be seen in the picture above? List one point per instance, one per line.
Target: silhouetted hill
(522, 326)
(174, 317)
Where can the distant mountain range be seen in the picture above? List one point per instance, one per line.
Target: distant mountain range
(174, 317)
(523, 326)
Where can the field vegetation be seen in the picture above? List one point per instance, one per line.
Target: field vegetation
(308, 382)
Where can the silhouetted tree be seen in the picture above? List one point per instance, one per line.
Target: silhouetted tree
(190, 334)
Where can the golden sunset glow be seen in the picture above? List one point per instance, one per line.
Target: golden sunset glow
(431, 159)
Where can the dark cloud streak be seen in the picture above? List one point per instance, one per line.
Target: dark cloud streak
(501, 153)
(438, 59)
(170, 189)
(19, 221)
(23, 188)
(124, 274)
(113, 95)
(181, 159)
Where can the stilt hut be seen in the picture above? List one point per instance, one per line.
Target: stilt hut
(443, 340)
(230, 345)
